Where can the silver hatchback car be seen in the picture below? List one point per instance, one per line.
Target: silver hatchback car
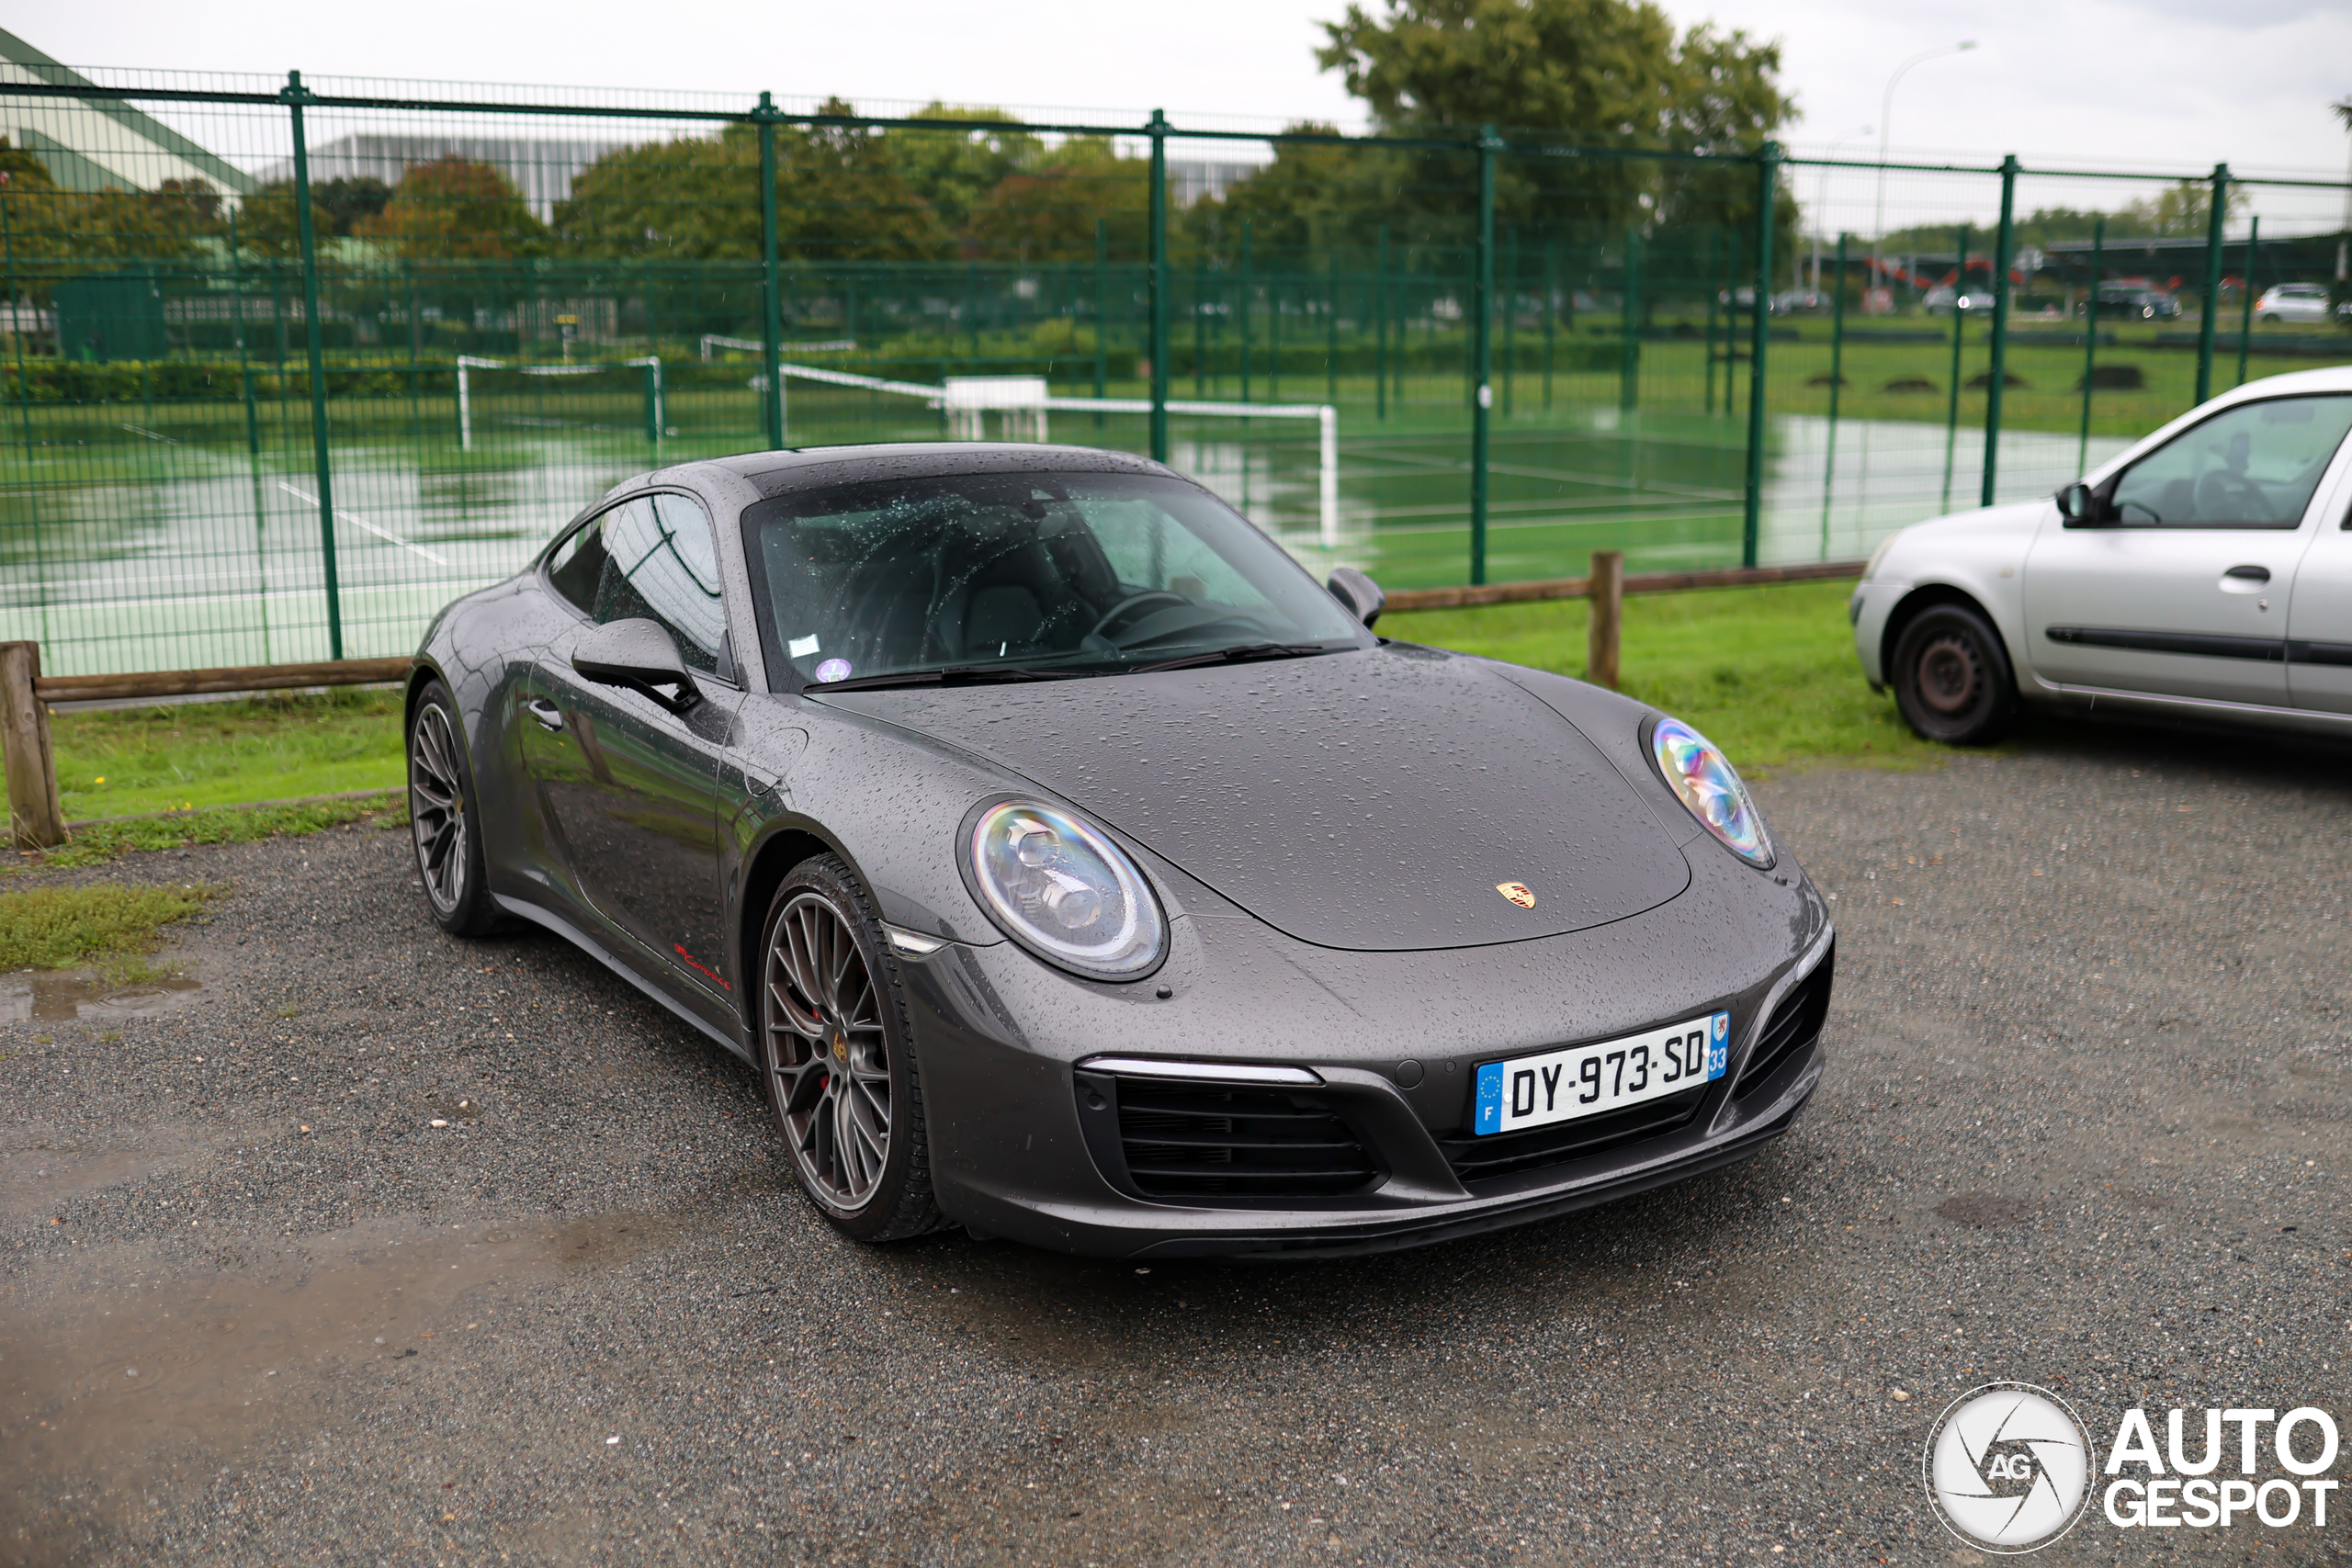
(2205, 572)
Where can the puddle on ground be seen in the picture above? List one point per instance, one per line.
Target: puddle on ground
(37, 996)
(148, 1360)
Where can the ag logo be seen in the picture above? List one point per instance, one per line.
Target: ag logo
(2007, 1467)
(1518, 893)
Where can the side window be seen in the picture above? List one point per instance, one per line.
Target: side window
(578, 563)
(654, 558)
(2252, 466)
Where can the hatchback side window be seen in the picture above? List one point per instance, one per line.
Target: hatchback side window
(653, 558)
(2250, 467)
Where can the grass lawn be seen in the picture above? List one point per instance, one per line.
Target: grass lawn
(122, 762)
(1767, 673)
(59, 927)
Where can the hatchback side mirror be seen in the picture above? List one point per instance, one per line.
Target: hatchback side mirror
(640, 655)
(2076, 504)
(1359, 592)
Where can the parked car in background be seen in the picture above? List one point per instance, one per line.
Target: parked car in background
(2292, 302)
(2205, 573)
(1942, 299)
(2132, 301)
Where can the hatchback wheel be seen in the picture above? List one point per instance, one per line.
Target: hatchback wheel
(442, 818)
(1951, 677)
(836, 1058)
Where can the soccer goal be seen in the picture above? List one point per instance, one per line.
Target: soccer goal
(1022, 404)
(619, 397)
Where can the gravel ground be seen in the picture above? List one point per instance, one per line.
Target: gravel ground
(2082, 1127)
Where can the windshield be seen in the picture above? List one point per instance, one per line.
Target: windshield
(1004, 573)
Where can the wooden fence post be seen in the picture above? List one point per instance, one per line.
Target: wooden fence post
(35, 820)
(1608, 594)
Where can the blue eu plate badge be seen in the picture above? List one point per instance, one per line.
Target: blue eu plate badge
(1586, 1080)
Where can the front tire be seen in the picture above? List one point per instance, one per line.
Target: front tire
(445, 817)
(836, 1057)
(1951, 677)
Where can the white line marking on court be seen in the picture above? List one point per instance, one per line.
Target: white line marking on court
(362, 522)
(153, 434)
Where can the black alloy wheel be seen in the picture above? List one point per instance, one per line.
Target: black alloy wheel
(442, 818)
(1951, 677)
(836, 1057)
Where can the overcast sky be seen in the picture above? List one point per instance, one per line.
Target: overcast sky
(2166, 83)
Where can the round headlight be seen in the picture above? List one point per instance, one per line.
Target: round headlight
(1704, 778)
(1062, 888)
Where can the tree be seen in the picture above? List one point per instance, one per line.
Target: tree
(454, 208)
(1312, 203)
(1599, 74)
(953, 171)
(2182, 210)
(1047, 211)
(840, 195)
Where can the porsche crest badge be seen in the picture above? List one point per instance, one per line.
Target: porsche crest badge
(1518, 893)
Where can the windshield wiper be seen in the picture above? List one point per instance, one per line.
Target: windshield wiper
(1237, 655)
(953, 675)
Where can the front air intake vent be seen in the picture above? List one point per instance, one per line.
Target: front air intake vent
(1227, 1143)
(1793, 1027)
(1503, 1153)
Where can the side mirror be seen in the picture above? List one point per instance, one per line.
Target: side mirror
(1359, 592)
(640, 655)
(2076, 503)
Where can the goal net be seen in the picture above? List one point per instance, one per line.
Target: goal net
(619, 398)
(1020, 408)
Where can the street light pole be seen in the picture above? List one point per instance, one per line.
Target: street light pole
(1885, 119)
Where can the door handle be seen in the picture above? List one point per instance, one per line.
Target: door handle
(2249, 574)
(549, 717)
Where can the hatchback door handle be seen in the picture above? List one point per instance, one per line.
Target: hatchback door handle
(549, 717)
(2249, 574)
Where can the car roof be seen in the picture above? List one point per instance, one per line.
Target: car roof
(773, 473)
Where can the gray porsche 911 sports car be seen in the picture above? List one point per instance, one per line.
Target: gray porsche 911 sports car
(1073, 868)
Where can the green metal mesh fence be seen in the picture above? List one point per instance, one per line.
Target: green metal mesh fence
(288, 366)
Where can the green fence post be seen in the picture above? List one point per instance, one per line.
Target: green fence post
(1243, 305)
(1200, 323)
(1330, 333)
(1767, 189)
(1159, 129)
(1551, 289)
(1714, 288)
(1959, 323)
(1380, 316)
(1629, 348)
(770, 293)
(1274, 335)
(2246, 317)
(1510, 318)
(1836, 379)
(2003, 245)
(293, 97)
(2211, 309)
(1102, 312)
(2090, 338)
(25, 409)
(1482, 334)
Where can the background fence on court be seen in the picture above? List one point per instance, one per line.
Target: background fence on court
(289, 366)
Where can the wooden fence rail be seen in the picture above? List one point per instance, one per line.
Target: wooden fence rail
(35, 820)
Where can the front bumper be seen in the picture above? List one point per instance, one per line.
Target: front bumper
(1024, 1132)
(1867, 611)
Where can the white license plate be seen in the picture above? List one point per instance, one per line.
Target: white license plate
(1586, 1080)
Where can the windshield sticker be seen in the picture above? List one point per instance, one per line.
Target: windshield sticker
(833, 669)
(802, 646)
